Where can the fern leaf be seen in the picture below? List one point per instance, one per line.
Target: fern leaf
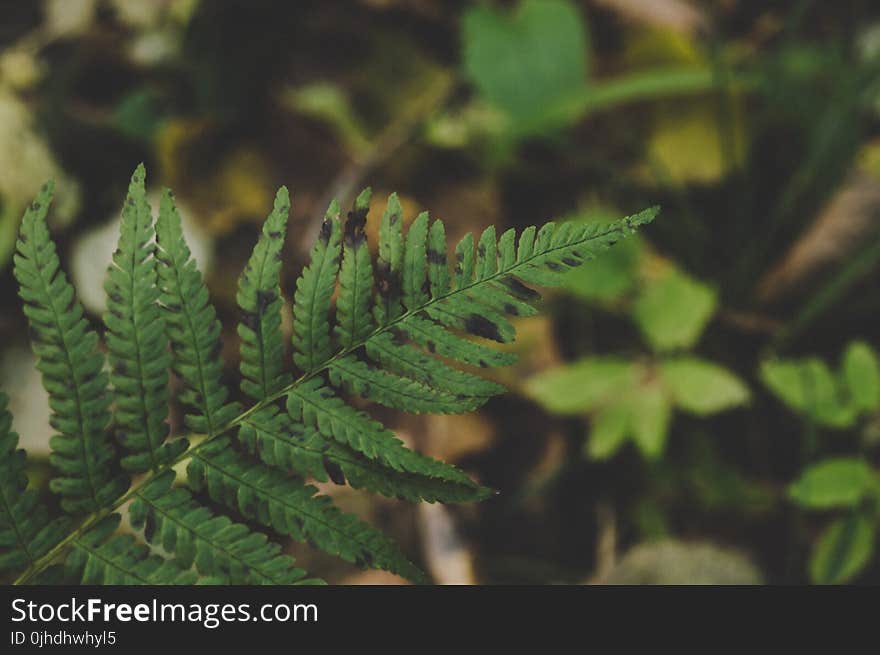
(405, 359)
(102, 557)
(26, 532)
(353, 318)
(438, 269)
(486, 291)
(218, 547)
(192, 326)
(487, 253)
(389, 264)
(136, 339)
(391, 390)
(293, 447)
(464, 261)
(72, 369)
(464, 312)
(292, 508)
(318, 406)
(259, 297)
(314, 290)
(415, 264)
(437, 340)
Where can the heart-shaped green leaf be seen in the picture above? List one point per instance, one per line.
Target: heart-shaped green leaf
(531, 64)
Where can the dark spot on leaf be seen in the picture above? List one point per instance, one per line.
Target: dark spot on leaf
(387, 282)
(275, 234)
(35, 206)
(326, 231)
(435, 257)
(264, 299)
(481, 250)
(250, 319)
(511, 309)
(354, 228)
(520, 290)
(570, 261)
(553, 266)
(483, 363)
(481, 326)
(334, 471)
(431, 346)
(149, 527)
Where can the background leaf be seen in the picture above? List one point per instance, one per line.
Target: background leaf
(581, 386)
(862, 375)
(840, 482)
(530, 63)
(809, 387)
(673, 310)
(701, 387)
(843, 550)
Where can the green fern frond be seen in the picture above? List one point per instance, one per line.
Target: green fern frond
(102, 557)
(136, 341)
(26, 531)
(438, 268)
(353, 318)
(436, 339)
(173, 519)
(283, 444)
(415, 266)
(314, 291)
(192, 326)
(389, 264)
(259, 298)
(318, 406)
(407, 360)
(290, 507)
(400, 338)
(71, 367)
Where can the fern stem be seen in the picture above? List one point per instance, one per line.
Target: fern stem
(90, 521)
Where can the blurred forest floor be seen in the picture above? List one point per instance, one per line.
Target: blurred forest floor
(700, 404)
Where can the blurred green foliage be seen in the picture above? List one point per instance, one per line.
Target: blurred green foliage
(692, 366)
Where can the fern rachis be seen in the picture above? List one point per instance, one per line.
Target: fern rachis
(399, 338)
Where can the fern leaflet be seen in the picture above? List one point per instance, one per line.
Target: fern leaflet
(26, 532)
(72, 369)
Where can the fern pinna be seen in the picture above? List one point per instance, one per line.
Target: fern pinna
(406, 330)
